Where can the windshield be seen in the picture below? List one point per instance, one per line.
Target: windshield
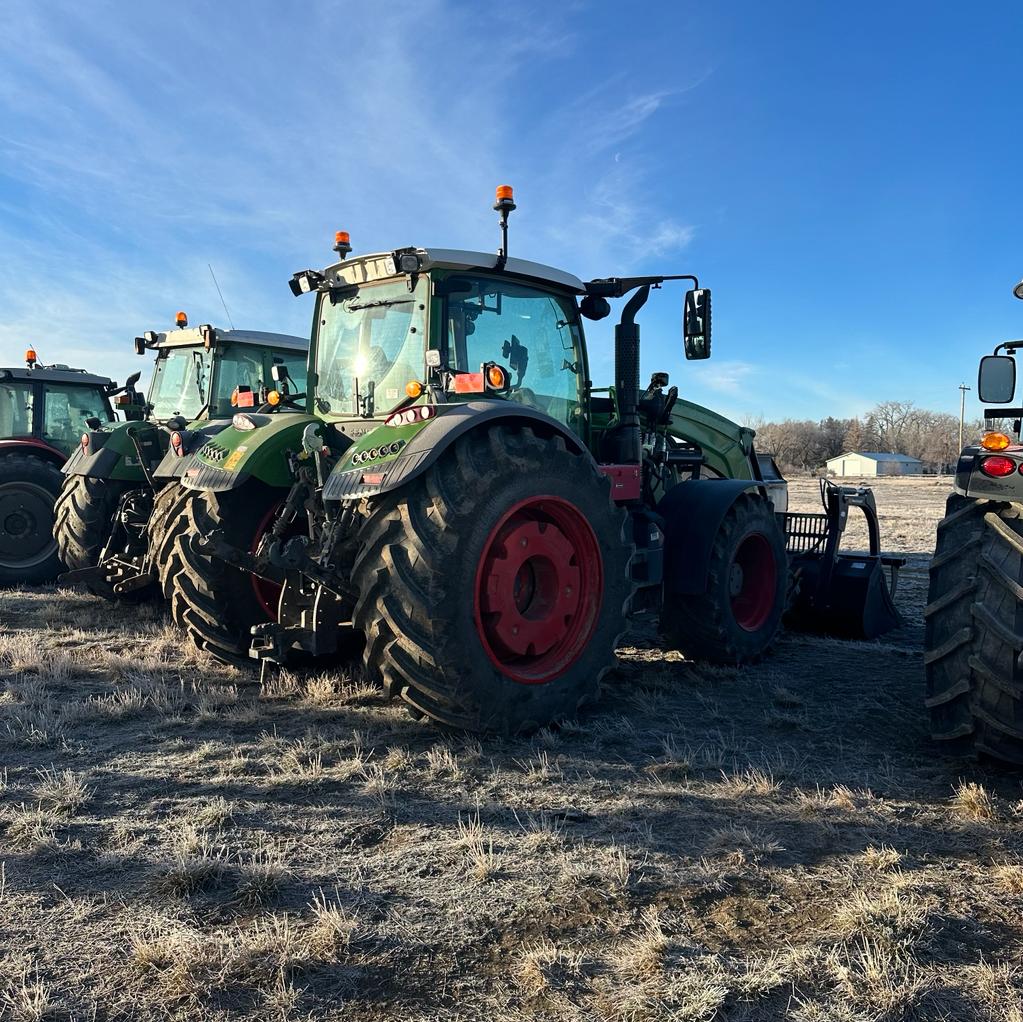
(369, 344)
(180, 383)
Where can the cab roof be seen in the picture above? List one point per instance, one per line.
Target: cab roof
(193, 336)
(56, 374)
(380, 264)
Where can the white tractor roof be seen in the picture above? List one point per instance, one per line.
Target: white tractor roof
(193, 336)
(373, 267)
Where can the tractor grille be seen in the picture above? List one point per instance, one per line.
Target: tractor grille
(805, 532)
(212, 451)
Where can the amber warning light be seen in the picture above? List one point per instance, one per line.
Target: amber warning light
(30, 357)
(182, 320)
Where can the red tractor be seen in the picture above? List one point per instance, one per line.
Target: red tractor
(43, 412)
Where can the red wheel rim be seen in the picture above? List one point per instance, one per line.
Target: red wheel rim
(752, 579)
(268, 594)
(539, 587)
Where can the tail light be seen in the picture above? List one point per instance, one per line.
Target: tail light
(998, 466)
(177, 442)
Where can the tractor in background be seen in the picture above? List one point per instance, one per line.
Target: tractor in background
(43, 410)
(974, 618)
(478, 514)
(121, 495)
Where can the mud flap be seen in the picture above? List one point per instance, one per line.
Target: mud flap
(857, 603)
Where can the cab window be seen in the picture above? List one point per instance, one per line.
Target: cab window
(533, 334)
(16, 402)
(66, 410)
(295, 362)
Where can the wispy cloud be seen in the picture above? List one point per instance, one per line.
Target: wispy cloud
(138, 144)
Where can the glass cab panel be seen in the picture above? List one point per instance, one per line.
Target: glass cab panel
(534, 334)
(16, 404)
(67, 408)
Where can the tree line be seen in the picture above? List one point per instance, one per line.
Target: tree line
(892, 427)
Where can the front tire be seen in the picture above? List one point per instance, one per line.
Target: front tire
(29, 488)
(737, 618)
(973, 636)
(493, 588)
(215, 603)
(83, 523)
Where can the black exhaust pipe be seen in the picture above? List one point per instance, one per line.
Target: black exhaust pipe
(627, 441)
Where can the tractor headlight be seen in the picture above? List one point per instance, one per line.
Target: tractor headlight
(241, 421)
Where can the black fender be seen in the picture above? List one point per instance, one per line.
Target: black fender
(113, 455)
(693, 512)
(451, 422)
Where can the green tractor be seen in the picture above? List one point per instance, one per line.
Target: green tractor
(43, 410)
(120, 501)
(973, 640)
(476, 513)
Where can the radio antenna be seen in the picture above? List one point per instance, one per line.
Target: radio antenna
(221, 293)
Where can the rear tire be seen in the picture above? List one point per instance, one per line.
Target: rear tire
(83, 516)
(493, 588)
(738, 617)
(29, 488)
(974, 629)
(215, 603)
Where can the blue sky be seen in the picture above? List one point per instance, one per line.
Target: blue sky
(845, 178)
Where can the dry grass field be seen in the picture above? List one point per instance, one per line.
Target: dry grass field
(778, 842)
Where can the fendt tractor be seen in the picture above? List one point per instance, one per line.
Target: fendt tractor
(974, 615)
(43, 410)
(121, 496)
(479, 515)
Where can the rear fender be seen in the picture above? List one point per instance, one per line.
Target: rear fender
(195, 435)
(971, 482)
(112, 454)
(230, 457)
(37, 448)
(693, 512)
(423, 443)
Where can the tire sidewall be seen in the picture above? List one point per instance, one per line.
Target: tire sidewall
(495, 696)
(755, 519)
(47, 476)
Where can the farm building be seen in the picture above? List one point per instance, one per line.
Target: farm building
(873, 463)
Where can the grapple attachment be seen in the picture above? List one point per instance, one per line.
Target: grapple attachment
(848, 595)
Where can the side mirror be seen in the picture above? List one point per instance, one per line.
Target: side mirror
(996, 381)
(279, 372)
(696, 324)
(140, 345)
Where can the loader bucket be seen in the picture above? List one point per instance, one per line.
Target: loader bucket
(856, 604)
(847, 595)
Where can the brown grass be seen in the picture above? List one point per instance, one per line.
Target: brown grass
(706, 844)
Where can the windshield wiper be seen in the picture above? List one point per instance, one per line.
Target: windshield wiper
(379, 302)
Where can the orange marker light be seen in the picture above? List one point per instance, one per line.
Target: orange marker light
(181, 319)
(496, 377)
(273, 398)
(504, 192)
(234, 398)
(994, 442)
(413, 388)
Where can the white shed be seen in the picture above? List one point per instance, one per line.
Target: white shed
(874, 463)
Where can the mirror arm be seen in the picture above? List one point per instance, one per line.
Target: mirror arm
(618, 287)
(1008, 346)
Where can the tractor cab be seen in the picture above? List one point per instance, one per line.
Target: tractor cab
(43, 411)
(207, 373)
(49, 406)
